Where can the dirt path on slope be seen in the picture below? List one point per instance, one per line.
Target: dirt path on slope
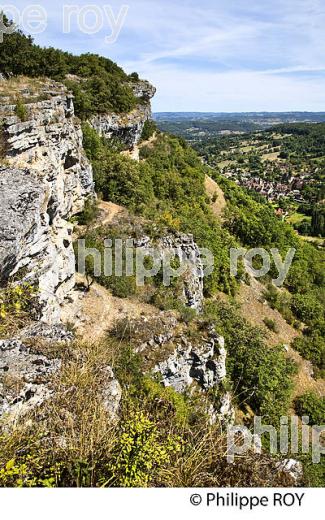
(108, 212)
(212, 189)
(149, 141)
(95, 312)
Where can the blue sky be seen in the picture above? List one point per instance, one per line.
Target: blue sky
(210, 55)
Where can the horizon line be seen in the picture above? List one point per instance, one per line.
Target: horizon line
(243, 112)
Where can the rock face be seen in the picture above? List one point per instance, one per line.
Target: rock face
(205, 364)
(195, 365)
(24, 377)
(184, 248)
(44, 182)
(127, 127)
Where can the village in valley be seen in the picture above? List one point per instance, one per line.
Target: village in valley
(282, 164)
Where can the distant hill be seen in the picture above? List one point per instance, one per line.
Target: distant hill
(195, 125)
(241, 116)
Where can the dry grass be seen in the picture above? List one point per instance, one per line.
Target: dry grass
(204, 464)
(31, 90)
(213, 190)
(75, 428)
(12, 383)
(13, 323)
(74, 432)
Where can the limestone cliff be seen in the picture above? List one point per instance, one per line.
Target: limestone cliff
(127, 127)
(45, 179)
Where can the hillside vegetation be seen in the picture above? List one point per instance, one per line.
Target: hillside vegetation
(167, 187)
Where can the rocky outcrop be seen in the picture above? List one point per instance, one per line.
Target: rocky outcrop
(201, 365)
(127, 127)
(143, 90)
(181, 361)
(53, 334)
(204, 363)
(24, 378)
(45, 181)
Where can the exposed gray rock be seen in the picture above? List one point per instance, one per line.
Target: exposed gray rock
(51, 334)
(204, 364)
(46, 182)
(149, 332)
(223, 411)
(188, 254)
(226, 412)
(143, 89)
(24, 377)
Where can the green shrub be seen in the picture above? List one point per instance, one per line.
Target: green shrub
(90, 212)
(134, 76)
(306, 307)
(314, 474)
(312, 347)
(121, 286)
(92, 141)
(262, 376)
(141, 452)
(149, 129)
(169, 399)
(281, 301)
(311, 405)
(21, 111)
(101, 94)
(271, 325)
